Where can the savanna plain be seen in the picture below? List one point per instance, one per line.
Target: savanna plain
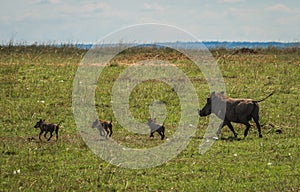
(37, 81)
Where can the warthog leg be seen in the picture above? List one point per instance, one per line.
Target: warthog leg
(226, 122)
(247, 129)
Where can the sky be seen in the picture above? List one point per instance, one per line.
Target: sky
(74, 21)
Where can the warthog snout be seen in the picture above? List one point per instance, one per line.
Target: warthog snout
(206, 110)
(203, 113)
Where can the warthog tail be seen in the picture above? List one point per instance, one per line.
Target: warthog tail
(266, 97)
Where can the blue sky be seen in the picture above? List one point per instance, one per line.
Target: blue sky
(48, 21)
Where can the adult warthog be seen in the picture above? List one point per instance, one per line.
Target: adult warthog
(233, 110)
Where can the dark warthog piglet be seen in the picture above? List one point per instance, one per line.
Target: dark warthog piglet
(237, 110)
(104, 127)
(44, 127)
(160, 129)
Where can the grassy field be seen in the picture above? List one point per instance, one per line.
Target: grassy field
(36, 82)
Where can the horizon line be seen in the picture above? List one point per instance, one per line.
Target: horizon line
(27, 43)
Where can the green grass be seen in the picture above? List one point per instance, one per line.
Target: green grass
(36, 82)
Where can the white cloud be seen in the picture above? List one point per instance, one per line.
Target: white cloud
(95, 7)
(45, 1)
(6, 19)
(85, 8)
(153, 7)
(280, 8)
(29, 15)
(54, 1)
(231, 1)
(244, 14)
